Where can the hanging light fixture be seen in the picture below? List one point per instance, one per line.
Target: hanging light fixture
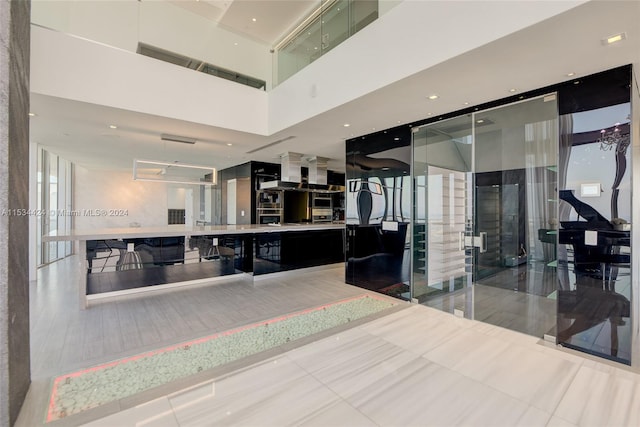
(173, 172)
(612, 137)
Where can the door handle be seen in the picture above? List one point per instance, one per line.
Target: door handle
(480, 241)
(482, 244)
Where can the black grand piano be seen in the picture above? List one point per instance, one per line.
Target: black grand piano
(597, 261)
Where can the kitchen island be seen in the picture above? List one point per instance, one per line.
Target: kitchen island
(121, 261)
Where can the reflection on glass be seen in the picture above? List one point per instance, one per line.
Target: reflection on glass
(594, 305)
(115, 265)
(442, 165)
(516, 205)
(377, 212)
(485, 212)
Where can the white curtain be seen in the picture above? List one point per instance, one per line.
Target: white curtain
(541, 180)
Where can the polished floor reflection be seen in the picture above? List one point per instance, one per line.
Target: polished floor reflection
(522, 299)
(415, 367)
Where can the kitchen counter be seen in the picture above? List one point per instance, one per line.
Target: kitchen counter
(182, 230)
(122, 261)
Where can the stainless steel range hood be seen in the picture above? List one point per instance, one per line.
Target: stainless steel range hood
(291, 176)
(301, 186)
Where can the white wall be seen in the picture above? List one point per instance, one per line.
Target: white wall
(403, 37)
(145, 202)
(123, 23)
(175, 197)
(174, 29)
(68, 67)
(73, 68)
(111, 22)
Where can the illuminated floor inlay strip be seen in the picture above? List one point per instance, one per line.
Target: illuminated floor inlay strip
(78, 391)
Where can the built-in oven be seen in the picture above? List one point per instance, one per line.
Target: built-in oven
(322, 201)
(269, 219)
(269, 206)
(321, 214)
(321, 207)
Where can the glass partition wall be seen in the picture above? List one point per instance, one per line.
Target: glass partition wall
(333, 22)
(595, 287)
(485, 215)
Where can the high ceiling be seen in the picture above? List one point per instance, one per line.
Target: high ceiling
(273, 18)
(567, 43)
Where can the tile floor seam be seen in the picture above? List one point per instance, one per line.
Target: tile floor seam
(491, 387)
(564, 391)
(328, 387)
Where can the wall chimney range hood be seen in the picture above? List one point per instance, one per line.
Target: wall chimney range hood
(291, 175)
(318, 170)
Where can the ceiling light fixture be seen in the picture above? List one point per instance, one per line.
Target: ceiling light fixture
(571, 74)
(254, 19)
(177, 138)
(512, 90)
(346, 125)
(396, 139)
(614, 38)
(229, 144)
(466, 103)
(32, 114)
(434, 96)
(480, 121)
(113, 126)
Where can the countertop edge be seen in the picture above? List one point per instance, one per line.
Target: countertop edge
(173, 231)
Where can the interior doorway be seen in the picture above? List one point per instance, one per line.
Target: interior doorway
(485, 215)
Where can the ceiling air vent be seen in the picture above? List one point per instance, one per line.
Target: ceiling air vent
(197, 65)
(271, 144)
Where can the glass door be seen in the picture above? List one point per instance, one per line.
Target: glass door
(516, 215)
(442, 216)
(485, 215)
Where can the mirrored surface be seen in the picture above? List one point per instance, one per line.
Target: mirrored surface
(594, 310)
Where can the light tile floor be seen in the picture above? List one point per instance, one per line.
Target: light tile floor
(415, 367)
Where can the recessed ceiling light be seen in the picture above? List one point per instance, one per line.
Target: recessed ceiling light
(479, 121)
(385, 168)
(466, 103)
(32, 114)
(235, 44)
(229, 144)
(396, 139)
(315, 47)
(615, 38)
(434, 96)
(254, 19)
(113, 126)
(399, 121)
(346, 125)
(428, 114)
(571, 74)
(512, 90)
